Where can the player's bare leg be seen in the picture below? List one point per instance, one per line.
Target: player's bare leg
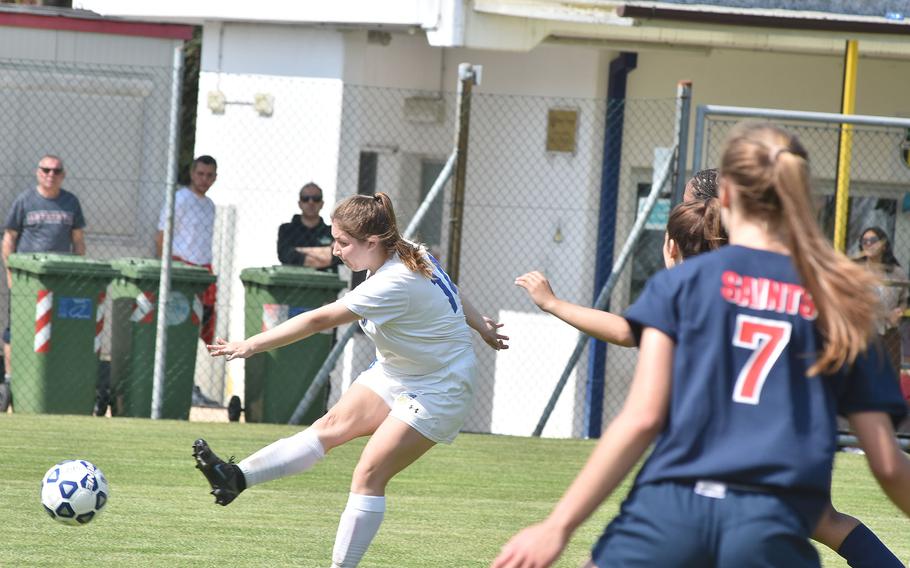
(358, 413)
(854, 541)
(393, 447)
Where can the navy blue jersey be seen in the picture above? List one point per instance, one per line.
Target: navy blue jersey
(742, 409)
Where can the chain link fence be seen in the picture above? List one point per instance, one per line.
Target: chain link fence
(531, 203)
(526, 208)
(110, 127)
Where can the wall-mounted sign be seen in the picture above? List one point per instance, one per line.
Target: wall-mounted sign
(562, 124)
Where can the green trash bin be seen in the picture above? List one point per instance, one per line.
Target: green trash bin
(134, 294)
(56, 317)
(277, 380)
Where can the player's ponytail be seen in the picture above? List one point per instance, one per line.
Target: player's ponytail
(695, 227)
(362, 216)
(769, 171)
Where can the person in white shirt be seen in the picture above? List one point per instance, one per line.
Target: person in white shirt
(415, 395)
(194, 222)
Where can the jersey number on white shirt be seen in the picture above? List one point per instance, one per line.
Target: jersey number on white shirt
(767, 339)
(441, 279)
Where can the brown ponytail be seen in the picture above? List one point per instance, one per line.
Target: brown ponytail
(695, 227)
(768, 170)
(362, 216)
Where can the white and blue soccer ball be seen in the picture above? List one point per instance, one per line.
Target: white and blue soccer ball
(74, 492)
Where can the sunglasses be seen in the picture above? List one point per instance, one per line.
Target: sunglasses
(57, 171)
(308, 198)
(870, 240)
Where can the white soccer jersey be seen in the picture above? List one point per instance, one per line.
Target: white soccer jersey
(194, 221)
(417, 323)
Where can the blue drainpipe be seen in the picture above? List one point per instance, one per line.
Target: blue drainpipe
(606, 228)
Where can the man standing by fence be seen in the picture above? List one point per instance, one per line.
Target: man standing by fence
(46, 219)
(194, 223)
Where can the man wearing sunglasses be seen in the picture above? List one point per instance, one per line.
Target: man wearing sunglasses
(307, 240)
(44, 219)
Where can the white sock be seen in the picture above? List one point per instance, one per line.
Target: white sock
(285, 457)
(359, 524)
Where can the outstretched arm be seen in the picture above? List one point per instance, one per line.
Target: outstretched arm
(888, 463)
(297, 328)
(486, 327)
(619, 449)
(596, 323)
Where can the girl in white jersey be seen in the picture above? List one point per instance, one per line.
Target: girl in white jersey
(414, 396)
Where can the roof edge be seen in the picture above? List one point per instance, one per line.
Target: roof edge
(781, 19)
(99, 25)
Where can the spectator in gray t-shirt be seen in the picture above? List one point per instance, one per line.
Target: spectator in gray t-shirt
(45, 219)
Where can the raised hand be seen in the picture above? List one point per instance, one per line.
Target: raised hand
(538, 287)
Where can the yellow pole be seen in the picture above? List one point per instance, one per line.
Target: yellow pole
(848, 105)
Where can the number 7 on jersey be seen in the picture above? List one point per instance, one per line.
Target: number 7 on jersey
(767, 339)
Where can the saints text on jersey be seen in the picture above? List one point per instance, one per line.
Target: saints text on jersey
(768, 295)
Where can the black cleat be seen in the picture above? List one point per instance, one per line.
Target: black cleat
(225, 477)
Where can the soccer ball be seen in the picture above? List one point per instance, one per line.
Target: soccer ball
(74, 492)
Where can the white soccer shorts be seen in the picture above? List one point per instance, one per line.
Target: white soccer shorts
(436, 404)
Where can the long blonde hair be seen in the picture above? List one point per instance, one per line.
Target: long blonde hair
(362, 216)
(768, 169)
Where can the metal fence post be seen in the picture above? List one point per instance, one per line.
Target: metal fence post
(164, 286)
(683, 114)
(466, 80)
(698, 142)
(844, 147)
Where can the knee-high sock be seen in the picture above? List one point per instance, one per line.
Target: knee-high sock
(862, 549)
(359, 524)
(285, 457)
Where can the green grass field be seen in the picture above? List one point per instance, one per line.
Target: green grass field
(454, 508)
